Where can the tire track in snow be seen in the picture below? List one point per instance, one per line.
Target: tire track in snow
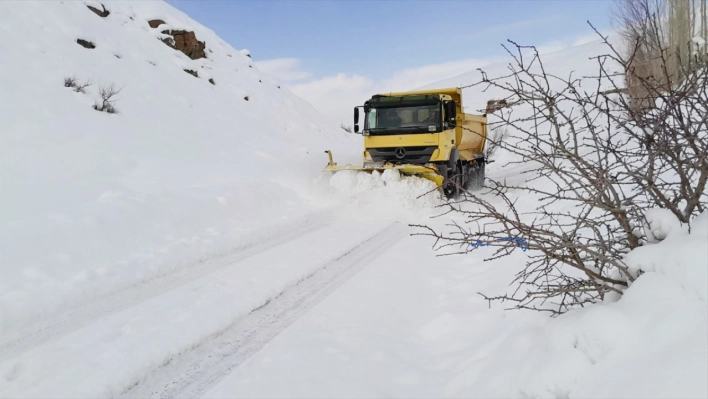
(193, 373)
(93, 311)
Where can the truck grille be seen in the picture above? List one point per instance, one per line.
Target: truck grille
(413, 155)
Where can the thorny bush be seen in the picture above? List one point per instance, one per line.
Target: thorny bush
(590, 166)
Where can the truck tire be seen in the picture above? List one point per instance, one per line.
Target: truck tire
(453, 183)
(475, 178)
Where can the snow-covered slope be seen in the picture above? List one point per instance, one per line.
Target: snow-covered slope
(92, 202)
(574, 60)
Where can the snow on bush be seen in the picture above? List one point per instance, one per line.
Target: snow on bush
(685, 258)
(661, 223)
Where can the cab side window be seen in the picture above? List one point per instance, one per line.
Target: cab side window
(371, 119)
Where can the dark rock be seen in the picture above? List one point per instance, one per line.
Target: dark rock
(246, 98)
(155, 23)
(191, 72)
(212, 81)
(102, 14)
(85, 43)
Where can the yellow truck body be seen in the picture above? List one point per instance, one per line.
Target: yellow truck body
(448, 150)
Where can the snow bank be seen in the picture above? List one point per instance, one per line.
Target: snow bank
(94, 202)
(649, 344)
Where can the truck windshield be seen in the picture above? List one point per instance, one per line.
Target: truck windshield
(416, 119)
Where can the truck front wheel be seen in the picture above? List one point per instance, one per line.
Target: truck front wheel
(453, 183)
(475, 178)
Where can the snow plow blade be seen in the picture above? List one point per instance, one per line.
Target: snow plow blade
(426, 171)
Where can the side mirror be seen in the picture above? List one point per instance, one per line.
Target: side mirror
(356, 128)
(450, 113)
(356, 115)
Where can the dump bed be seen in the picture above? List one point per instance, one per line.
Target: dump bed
(471, 135)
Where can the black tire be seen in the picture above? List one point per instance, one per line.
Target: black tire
(475, 178)
(452, 185)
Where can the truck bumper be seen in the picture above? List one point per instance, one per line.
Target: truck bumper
(429, 171)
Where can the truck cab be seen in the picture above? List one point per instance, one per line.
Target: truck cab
(424, 128)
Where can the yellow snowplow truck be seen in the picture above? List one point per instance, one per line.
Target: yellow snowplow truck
(423, 133)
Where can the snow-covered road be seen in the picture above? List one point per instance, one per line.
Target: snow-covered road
(193, 326)
(194, 372)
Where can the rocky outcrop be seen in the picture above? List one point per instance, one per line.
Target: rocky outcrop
(102, 14)
(182, 40)
(186, 42)
(191, 72)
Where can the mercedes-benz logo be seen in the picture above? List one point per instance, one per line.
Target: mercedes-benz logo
(400, 153)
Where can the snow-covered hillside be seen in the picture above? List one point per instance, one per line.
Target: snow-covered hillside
(92, 202)
(130, 239)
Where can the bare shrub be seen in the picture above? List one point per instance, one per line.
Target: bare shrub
(592, 167)
(72, 82)
(108, 100)
(81, 87)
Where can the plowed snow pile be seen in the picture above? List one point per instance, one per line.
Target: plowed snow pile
(91, 201)
(388, 192)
